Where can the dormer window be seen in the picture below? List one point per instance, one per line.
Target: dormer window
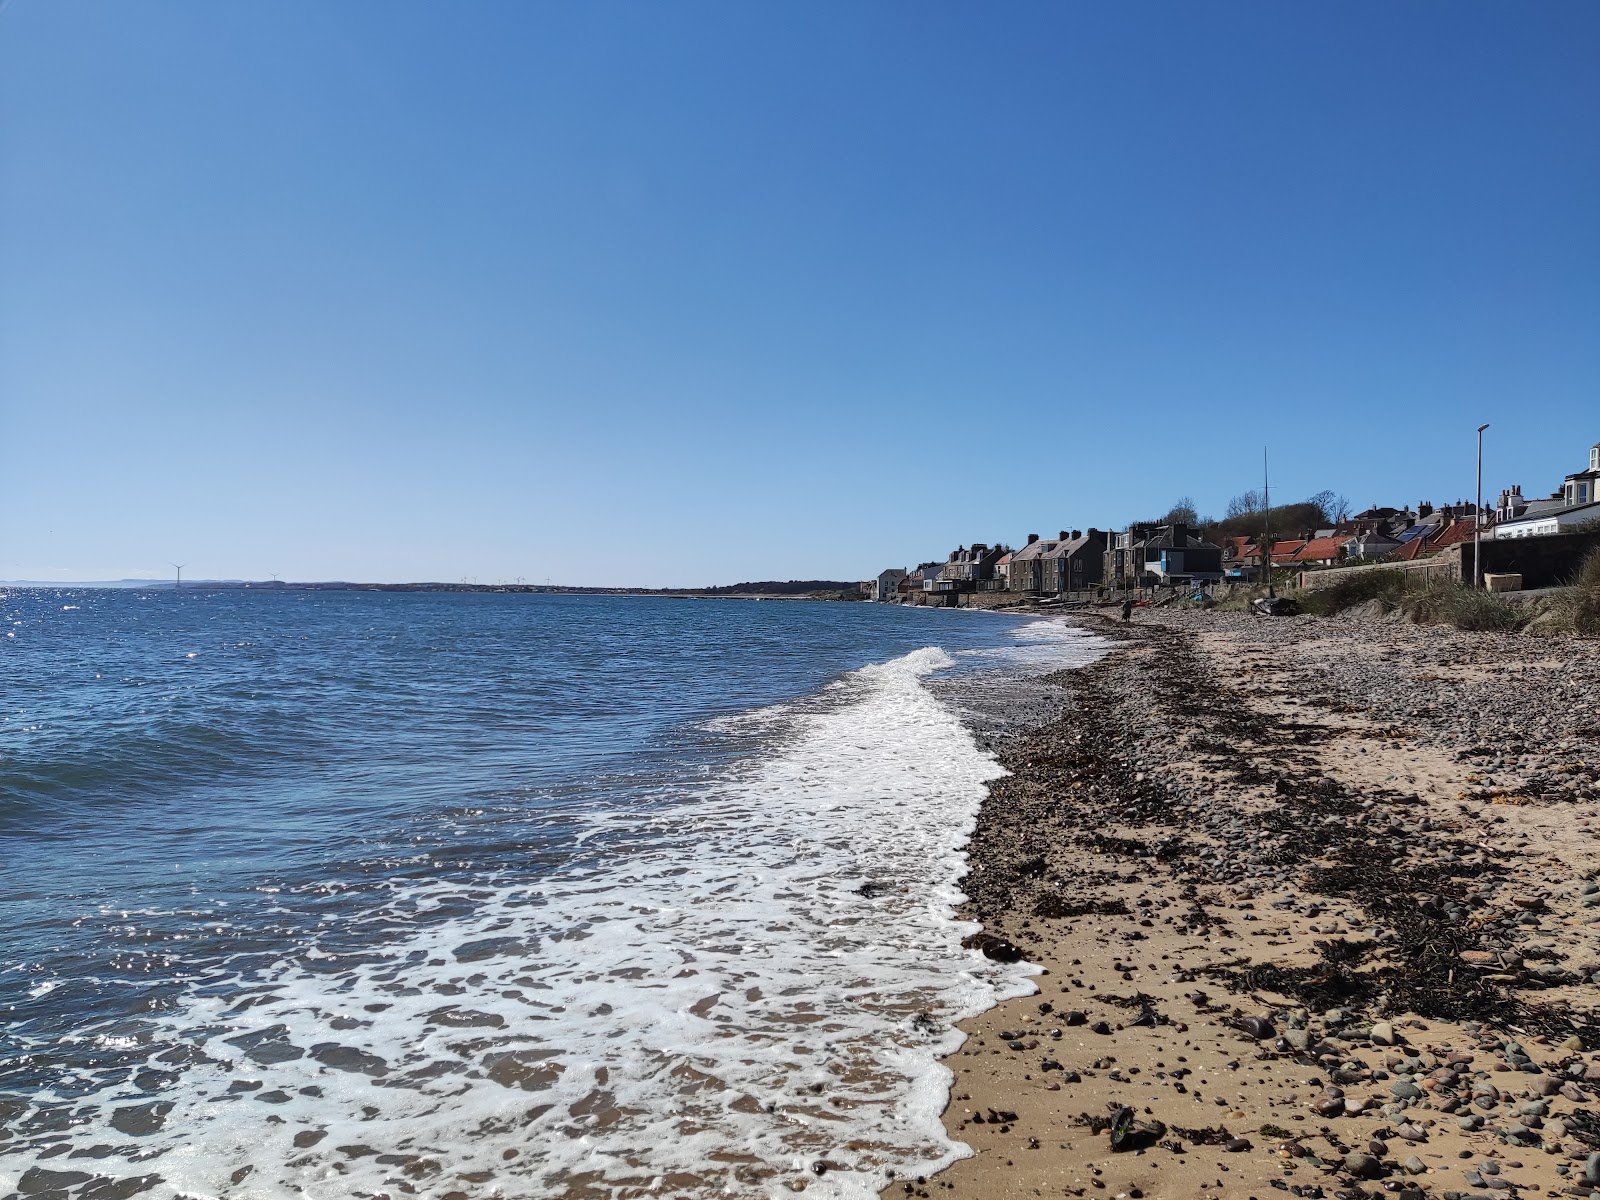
(1594, 457)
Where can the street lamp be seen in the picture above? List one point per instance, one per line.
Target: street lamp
(1477, 518)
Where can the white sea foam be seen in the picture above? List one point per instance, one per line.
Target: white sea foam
(719, 996)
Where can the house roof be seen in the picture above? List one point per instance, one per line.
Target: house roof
(1434, 539)
(1069, 547)
(1167, 539)
(1414, 548)
(1589, 511)
(1458, 531)
(1319, 549)
(1034, 549)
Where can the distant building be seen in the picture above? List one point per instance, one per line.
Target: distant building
(1165, 556)
(1576, 502)
(1002, 572)
(1025, 573)
(1373, 544)
(1286, 553)
(886, 587)
(970, 569)
(1322, 551)
(1076, 561)
(1580, 488)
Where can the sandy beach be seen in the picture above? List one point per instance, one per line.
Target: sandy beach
(1313, 905)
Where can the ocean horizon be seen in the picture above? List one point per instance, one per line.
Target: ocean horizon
(350, 893)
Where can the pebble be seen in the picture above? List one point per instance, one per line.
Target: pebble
(1362, 1165)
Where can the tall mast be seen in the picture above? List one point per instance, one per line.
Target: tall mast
(1266, 503)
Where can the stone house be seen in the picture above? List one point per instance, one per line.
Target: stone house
(969, 569)
(1075, 561)
(1026, 570)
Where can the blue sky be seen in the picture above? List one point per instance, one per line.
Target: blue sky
(692, 292)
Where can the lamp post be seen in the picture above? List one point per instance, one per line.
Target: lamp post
(1477, 518)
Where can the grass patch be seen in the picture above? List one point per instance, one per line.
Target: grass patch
(1465, 607)
(1381, 583)
(1577, 608)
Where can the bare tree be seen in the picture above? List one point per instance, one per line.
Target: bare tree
(1182, 513)
(1244, 505)
(1333, 507)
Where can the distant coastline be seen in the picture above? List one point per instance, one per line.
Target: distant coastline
(793, 589)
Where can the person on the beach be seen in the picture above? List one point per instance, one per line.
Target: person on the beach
(1127, 610)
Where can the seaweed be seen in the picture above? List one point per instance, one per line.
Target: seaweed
(1054, 905)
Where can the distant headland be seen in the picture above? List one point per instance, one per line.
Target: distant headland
(791, 589)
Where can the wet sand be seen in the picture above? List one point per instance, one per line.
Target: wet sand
(1314, 909)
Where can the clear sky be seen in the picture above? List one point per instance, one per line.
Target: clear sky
(687, 292)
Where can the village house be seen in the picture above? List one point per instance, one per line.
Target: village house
(1162, 556)
(1284, 553)
(1322, 551)
(1241, 558)
(1076, 561)
(970, 570)
(924, 577)
(1370, 545)
(1576, 502)
(1435, 532)
(1002, 572)
(886, 587)
(1026, 572)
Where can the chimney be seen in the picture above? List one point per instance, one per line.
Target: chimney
(1424, 509)
(1063, 537)
(1077, 533)
(1032, 538)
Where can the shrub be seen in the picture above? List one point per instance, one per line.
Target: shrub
(1466, 607)
(1381, 583)
(1577, 608)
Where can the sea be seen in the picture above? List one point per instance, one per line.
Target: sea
(373, 894)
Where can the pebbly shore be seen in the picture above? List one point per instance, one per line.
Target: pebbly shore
(1317, 909)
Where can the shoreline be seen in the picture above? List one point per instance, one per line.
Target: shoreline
(1307, 896)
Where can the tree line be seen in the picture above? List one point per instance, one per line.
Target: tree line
(1248, 516)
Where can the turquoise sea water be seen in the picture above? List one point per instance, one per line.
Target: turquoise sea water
(375, 894)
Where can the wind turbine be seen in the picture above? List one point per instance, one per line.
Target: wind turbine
(179, 583)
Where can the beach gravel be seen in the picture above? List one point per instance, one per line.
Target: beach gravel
(1314, 898)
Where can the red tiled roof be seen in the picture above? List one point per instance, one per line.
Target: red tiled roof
(1410, 550)
(1452, 534)
(1284, 552)
(1321, 549)
(1241, 545)
(1458, 531)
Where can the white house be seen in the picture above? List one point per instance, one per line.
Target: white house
(886, 587)
(1576, 503)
